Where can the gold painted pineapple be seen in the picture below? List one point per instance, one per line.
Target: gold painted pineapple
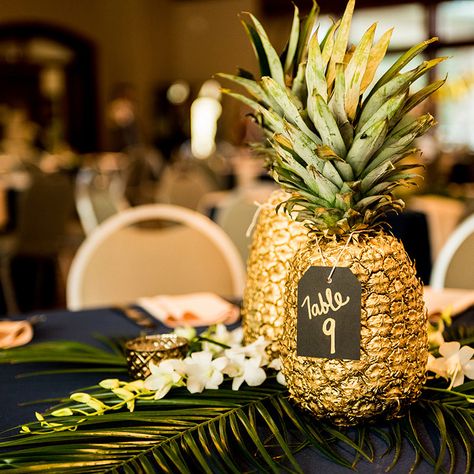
(275, 240)
(337, 146)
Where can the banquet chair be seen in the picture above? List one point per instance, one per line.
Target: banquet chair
(97, 197)
(237, 213)
(153, 249)
(142, 174)
(235, 218)
(453, 268)
(184, 184)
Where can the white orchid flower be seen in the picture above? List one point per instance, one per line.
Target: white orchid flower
(456, 363)
(164, 376)
(241, 368)
(203, 372)
(256, 349)
(222, 335)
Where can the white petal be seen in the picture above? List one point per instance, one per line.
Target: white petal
(469, 369)
(162, 392)
(255, 377)
(233, 369)
(153, 367)
(201, 357)
(447, 349)
(195, 385)
(459, 379)
(215, 380)
(235, 352)
(237, 382)
(281, 378)
(156, 382)
(172, 364)
(275, 364)
(237, 335)
(438, 366)
(465, 354)
(197, 370)
(221, 331)
(220, 363)
(175, 377)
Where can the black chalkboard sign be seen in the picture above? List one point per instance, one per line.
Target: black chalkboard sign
(329, 314)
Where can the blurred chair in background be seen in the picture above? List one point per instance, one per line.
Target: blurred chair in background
(99, 194)
(153, 249)
(443, 215)
(235, 217)
(235, 213)
(142, 174)
(453, 268)
(185, 183)
(29, 270)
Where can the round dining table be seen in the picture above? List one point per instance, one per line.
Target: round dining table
(20, 390)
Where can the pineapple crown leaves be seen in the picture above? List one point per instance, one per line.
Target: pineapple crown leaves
(336, 142)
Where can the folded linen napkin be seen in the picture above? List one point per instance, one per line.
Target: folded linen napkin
(455, 299)
(193, 309)
(15, 333)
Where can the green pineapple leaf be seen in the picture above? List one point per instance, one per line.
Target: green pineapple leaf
(355, 71)
(292, 47)
(274, 64)
(340, 42)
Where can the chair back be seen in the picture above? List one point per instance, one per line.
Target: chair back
(98, 196)
(142, 174)
(153, 249)
(237, 213)
(184, 185)
(453, 267)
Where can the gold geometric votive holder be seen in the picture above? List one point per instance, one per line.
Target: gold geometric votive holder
(153, 348)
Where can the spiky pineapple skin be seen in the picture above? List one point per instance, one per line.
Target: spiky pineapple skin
(275, 240)
(394, 349)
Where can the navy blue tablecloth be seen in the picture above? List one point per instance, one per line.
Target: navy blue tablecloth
(82, 326)
(79, 326)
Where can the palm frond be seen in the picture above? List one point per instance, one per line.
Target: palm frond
(180, 433)
(84, 357)
(254, 428)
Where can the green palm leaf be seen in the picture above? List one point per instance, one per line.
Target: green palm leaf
(255, 428)
(88, 357)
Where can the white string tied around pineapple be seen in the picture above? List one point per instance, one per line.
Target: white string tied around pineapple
(253, 223)
(323, 258)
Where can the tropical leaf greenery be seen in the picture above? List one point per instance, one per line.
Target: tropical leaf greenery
(255, 429)
(71, 356)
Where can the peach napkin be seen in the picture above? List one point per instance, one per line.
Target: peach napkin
(193, 309)
(15, 333)
(455, 299)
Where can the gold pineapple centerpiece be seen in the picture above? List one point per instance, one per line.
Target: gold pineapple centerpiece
(275, 240)
(338, 144)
